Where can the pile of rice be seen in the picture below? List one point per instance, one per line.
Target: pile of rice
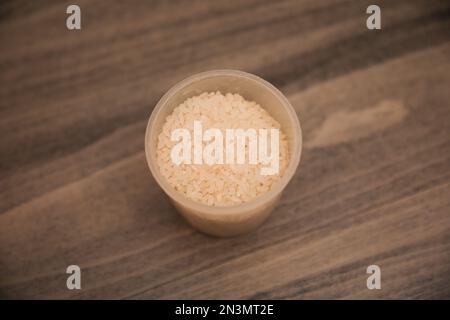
(218, 184)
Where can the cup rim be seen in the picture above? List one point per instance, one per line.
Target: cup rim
(232, 209)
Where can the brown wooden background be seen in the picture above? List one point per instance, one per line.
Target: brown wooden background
(373, 185)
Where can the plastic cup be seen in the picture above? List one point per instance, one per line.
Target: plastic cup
(237, 219)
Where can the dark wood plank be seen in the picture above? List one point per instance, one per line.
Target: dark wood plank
(372, 188)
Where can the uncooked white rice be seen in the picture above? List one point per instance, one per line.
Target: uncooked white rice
(218, 184)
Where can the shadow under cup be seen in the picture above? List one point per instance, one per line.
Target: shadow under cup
(237, 219)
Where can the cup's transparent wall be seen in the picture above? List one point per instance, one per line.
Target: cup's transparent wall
(235, 220)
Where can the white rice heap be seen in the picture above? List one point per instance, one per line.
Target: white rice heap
(218, 184)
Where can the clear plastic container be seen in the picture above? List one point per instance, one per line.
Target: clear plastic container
(236, 219)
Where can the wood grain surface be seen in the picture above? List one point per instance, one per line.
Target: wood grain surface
(373, 186)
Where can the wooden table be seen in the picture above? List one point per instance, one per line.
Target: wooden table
(373, 186)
